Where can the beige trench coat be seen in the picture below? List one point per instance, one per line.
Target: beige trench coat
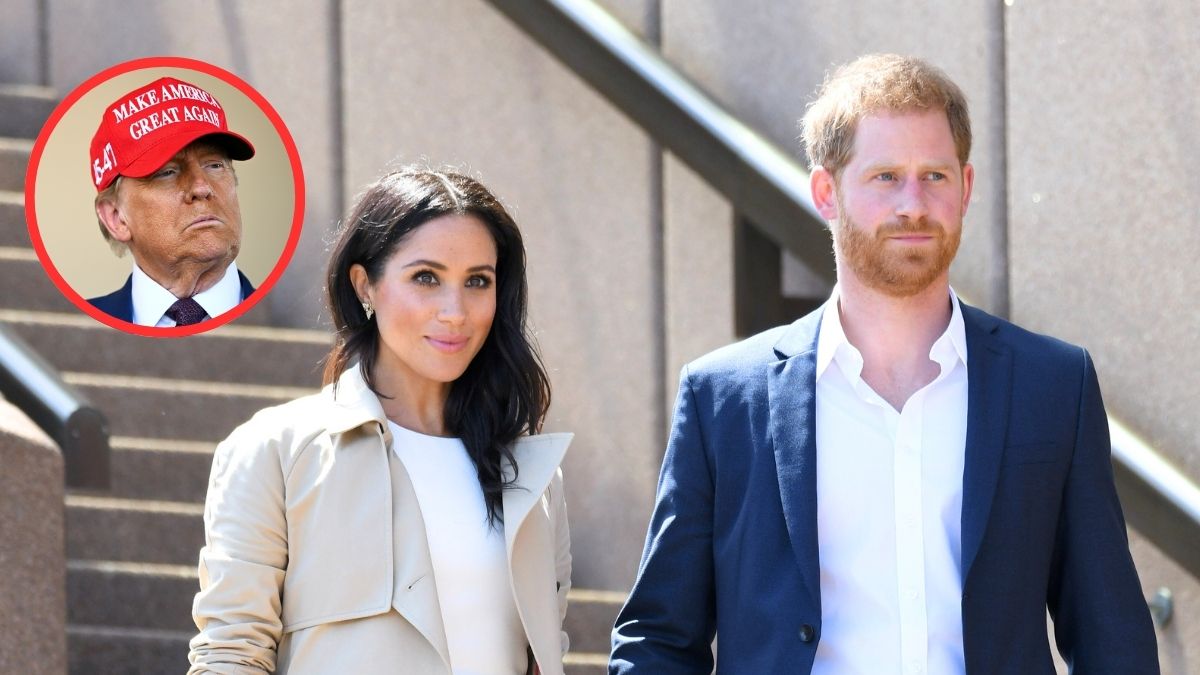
(305, 539)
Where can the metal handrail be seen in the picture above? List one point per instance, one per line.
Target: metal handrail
(1159, 500)
(768, 187)
(81, 431)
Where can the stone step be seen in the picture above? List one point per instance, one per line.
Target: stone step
(14, 160)
(151, 468)
(590, 616)
(131, 595)
(25, 285)
(104, 650)
(133, 530)
(585, 664)
(24, 109)
(176, 409)
(232, 353)
(13, 229)
(137, 596)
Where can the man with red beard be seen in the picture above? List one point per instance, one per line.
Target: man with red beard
(898, 482)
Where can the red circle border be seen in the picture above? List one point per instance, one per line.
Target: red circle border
(229, 78)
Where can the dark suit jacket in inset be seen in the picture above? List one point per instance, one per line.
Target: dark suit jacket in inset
(119, 303)
(732, 544)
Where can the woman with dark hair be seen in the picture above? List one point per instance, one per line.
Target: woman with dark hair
(408, 518)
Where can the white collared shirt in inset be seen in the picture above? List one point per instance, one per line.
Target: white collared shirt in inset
(151, 301)
(889, 509)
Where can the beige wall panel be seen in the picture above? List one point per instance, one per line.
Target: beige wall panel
(763, 61)
(20, 43)
(457, 83)
(698, 266)
(286, 50)
(1104, 155)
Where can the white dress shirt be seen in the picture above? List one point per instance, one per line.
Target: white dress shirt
(151, 301)
(484, 634)
(889, 508)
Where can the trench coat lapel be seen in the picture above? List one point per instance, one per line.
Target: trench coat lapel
(531, 543)
(415, 596)
(414, 592)
(791, 390)
(355, 405)
(538, 458)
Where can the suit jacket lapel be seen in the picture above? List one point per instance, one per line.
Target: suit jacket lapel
(123, 308)
(247, 287)
(989, 378)
(791, 390)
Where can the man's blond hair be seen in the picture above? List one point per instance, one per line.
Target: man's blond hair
(878, 83)
(110, 194)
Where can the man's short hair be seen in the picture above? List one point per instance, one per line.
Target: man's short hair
(109, 194)
(871, 84)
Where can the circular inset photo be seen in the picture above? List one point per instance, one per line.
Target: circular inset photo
(164, 197)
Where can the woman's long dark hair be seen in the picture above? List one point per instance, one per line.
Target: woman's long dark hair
(504, 393)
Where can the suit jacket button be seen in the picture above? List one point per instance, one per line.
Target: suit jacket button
(807, 633)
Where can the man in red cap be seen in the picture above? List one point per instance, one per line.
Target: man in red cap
(162, 164)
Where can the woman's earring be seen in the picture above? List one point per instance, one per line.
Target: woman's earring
(370, 311)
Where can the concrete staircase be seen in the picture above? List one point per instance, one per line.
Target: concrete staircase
(132, 551)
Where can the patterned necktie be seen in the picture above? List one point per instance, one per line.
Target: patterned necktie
(186, 312)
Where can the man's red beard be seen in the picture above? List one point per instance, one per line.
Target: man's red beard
(889, 268)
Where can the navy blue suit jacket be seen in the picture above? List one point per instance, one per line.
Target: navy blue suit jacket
(119, 303)
(732, 543)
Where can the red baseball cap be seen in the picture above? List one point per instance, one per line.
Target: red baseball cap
(146, 127)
